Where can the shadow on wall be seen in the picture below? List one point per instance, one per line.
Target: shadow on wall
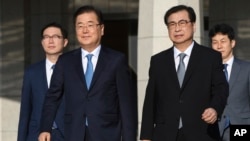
(242, 32)
(12, 58)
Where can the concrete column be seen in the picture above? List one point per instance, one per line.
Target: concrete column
(153, 36)
(12, 62)
(19, 19)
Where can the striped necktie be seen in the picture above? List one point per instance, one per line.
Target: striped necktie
(225, 71)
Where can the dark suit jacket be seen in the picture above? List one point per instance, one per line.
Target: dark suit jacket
(33, 93)
(204, 86)
(109, 105)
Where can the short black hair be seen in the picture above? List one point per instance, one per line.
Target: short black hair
(57, 25)
(224, 29)
(190, 10)
(88, 9)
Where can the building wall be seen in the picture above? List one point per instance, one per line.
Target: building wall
(11, 65)
(235, 13)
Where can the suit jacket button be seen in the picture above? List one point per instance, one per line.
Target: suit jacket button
(181, 101)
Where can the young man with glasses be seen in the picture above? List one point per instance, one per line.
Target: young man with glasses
(100, 104)
(36, 81)
(187, 89)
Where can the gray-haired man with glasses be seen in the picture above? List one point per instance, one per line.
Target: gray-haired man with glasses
(187, 89)
(100, 104)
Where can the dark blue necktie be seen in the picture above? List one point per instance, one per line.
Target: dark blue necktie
(227, 120)
(53, 66)
(89, 70)
(225, 71)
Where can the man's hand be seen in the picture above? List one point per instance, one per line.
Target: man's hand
(209, 115)
(44, 136)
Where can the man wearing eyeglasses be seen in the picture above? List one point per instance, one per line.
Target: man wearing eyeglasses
(100, 104)
(187, 89)
(36, 81)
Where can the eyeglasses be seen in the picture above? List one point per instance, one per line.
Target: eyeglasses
(89, 26)
(181, 24)
(54, 37)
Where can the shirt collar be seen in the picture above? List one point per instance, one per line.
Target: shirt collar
(95, 52)
(49, 64)
(230, 62)
(187, 51)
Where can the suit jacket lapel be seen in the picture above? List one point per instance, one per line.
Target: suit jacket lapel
(101, 64)
(78, 65)
(171, 69)
(192, 64)
(44, 75)
(234, 73)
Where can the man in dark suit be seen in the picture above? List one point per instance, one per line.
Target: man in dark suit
(237, 110)
(102, 110)
(36, 81)
(184, 96)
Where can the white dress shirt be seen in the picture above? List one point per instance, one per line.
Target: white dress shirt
(229, 66)
(49, 71)
(94, 58)
(187, 57)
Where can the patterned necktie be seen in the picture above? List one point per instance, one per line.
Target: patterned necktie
(181, 68)
(225, 71)
(89, 70)
(227, 120)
